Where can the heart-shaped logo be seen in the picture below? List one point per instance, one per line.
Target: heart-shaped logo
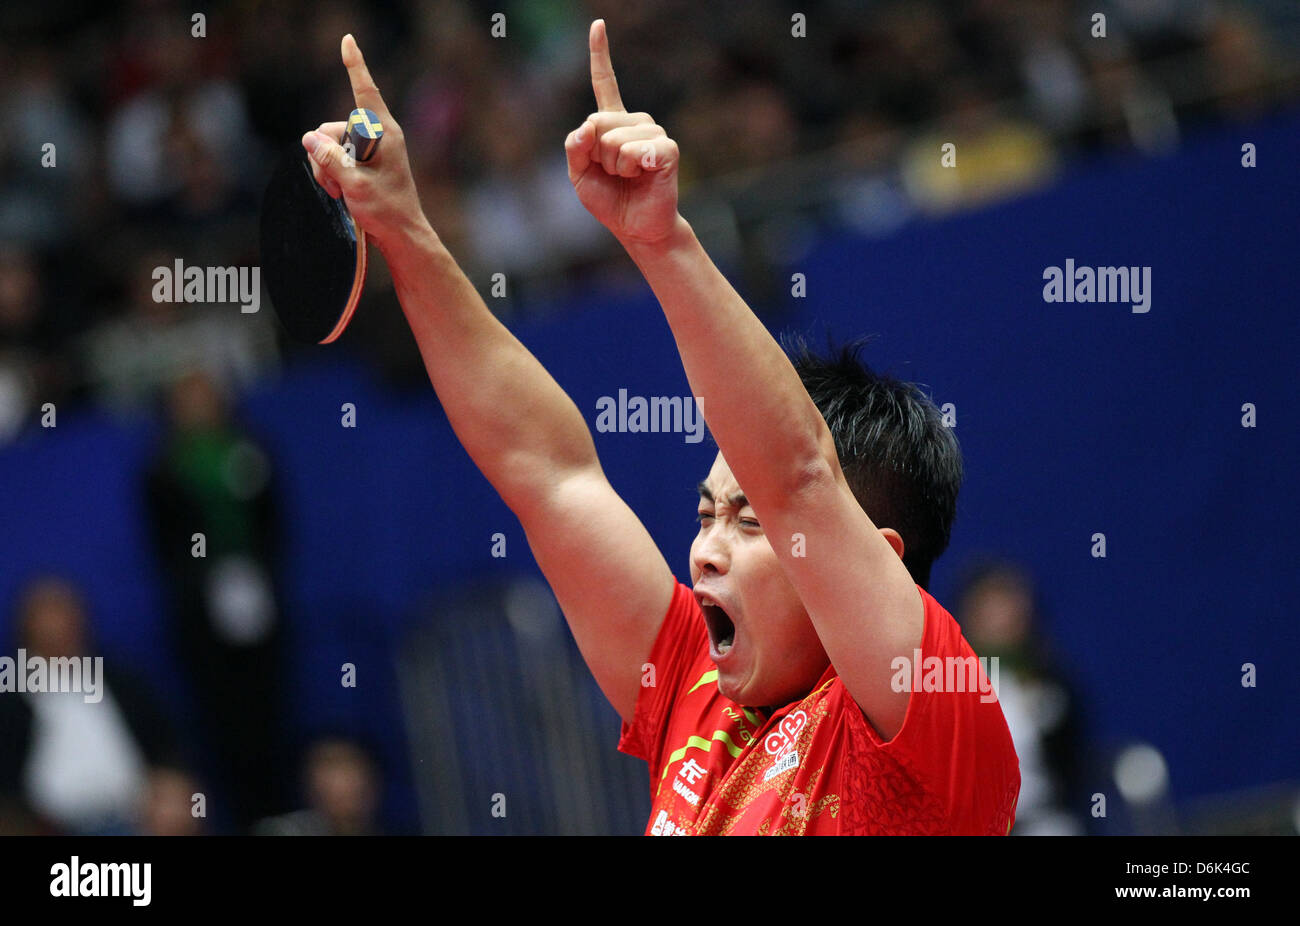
(781, 740)
(792, 724)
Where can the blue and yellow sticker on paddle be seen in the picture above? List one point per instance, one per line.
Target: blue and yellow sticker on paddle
(363, 134)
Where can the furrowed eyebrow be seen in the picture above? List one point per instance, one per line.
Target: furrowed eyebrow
(736, 501)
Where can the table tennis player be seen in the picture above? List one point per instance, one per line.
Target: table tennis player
(790, 686)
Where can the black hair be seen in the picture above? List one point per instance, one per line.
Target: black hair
(902, 463)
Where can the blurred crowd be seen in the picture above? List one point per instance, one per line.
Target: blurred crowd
(222, 757)
(140, 135)
(124, 765)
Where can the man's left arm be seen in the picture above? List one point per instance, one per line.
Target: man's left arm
(859, 595)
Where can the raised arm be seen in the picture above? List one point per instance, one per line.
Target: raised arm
(524, 434)
(850, 577)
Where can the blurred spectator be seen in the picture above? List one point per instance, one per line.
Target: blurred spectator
(72, 764)
(210, 478)
(47, 162)
(999, 617)
(993, 156)
(34, 367)
(19, 316)
(1239, 61)
(523, 216)
(130, 359)
(175, 111)
(1128, 108)
(342, 791)
(168, 805)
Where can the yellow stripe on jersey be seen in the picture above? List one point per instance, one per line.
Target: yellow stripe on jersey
(699, 742)
(709, 676)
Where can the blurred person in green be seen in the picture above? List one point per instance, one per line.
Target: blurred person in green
(212, 515)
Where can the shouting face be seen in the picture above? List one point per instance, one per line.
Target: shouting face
(760, 637)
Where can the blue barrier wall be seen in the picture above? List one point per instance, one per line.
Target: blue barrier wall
(1074, 418)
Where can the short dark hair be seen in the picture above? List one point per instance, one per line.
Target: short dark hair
(902, 463)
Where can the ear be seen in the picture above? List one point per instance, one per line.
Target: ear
(895, 539)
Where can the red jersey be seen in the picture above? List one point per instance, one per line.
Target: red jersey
(816, 766)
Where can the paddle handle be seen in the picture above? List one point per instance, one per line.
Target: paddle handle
(364, 133)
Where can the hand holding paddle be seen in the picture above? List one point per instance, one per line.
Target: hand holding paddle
(380, 191)
(318, 211)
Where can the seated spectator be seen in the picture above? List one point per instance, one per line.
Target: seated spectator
(168, 806)
(72, 763)
(342, 794)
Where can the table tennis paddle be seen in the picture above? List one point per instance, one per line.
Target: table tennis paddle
(313, 252)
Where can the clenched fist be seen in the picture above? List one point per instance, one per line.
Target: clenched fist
(622, 165)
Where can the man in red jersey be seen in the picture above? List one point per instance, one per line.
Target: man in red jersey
(808, 683)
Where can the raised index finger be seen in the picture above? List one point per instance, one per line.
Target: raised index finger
(364, 90)
(602, 71)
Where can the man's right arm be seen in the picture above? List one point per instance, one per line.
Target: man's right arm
(531, 442)
(520, 428)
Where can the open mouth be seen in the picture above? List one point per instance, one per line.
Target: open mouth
(722, 631)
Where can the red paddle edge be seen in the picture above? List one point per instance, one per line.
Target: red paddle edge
(358, 281)
(359, 277)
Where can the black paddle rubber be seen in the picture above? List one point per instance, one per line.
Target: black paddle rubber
(313, 260)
